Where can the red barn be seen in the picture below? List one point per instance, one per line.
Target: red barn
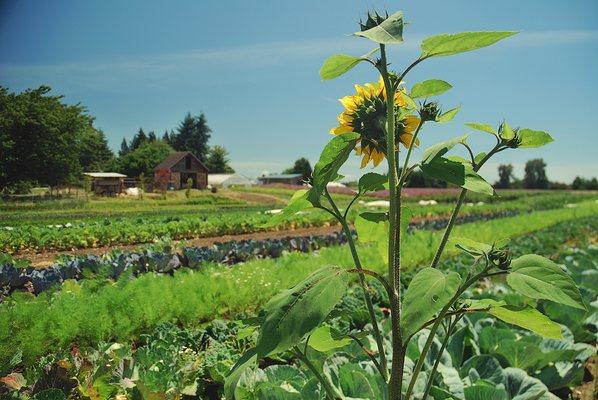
(177, 168)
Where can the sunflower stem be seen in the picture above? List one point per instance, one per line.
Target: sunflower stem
(362, 281)
(406, 163)
(394, 266)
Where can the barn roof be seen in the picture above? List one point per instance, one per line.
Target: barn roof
(174, 158)
(104, 175)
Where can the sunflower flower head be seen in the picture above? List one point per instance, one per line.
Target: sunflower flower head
(365, 113)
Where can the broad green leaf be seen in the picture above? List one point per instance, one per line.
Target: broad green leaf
(526, 317)
(539, 278)
(332, 158)
(338, 64)
(460, 174)
(487, 367)
(300, 201)
(231, 381)
(409, 100)
(529, 138)
(372, 226)
(372, 182)
(323, 339)
(506, 132)
(429, 291)
(440, 149)
(485, 392)
(431, 87)
(453, 43)
(353, 382)
(447, 116)
(390, 31)
(482, 127)
(293, 313)
(471, 246)
(521, 386)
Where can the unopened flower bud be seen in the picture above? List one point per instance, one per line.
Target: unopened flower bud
(429, 111)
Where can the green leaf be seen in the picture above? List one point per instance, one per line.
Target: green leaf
(457, 173)
(323, 339)
(453, 43)
(447, 116)
(300, 201)
(372, 226)
(293, 313)
(231, 381)
(372, 182)
(429, 291)
(431, 87)
(339, 64)
(526, 317)
(479, 157)
(485, 392)
(332, 158)
(487, 367)
(440, 149)
(353, 382)
(471, 246)
(390, 31)
(539, 278)
(529, 138)
(482, 127)
(409, 100)
(521, 386)
(506, 132)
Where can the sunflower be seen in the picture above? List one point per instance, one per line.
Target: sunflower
(365, 113)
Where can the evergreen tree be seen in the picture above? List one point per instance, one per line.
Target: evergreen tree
(217, 161)
(151, 137)
(138, 140)
(94, 153)
(192, 135)
(302, 167)
(124, 148)
(166, 137)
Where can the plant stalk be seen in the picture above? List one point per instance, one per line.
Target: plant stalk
(394, 266)
(363, 283)
(331, 393)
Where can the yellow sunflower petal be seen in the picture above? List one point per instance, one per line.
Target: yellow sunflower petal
(358, 150)
(341, 129)
(410, 123)
(366, 158)
(378, 156)
(345, 118)
(399, 99)
(350, 102)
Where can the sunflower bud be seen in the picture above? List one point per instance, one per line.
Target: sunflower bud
(429, 111)
(373, 20)
(500, 258)
(509, 136)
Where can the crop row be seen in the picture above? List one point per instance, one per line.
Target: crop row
(485, 357)
(94, 310)
(113, 266)
(135, 230)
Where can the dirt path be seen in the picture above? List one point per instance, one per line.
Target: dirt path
(44, 259)
(257, 198)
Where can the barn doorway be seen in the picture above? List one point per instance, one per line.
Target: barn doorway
(185, 176)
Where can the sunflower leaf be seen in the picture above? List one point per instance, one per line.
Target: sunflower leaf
(431, 87)
(529, 138)
(339, 64)
(371, 182)
(448, 116)
(482, 127)
(440, 149)
(390, 31)
(453, 43)
(457, 173)
(332, 158)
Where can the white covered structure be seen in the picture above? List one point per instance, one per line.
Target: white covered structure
(226, 180)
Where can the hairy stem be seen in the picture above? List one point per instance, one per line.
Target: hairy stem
(394, 267)
(455, 213)
(362, 282)
(331, 393)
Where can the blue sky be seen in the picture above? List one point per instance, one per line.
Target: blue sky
(252, 68)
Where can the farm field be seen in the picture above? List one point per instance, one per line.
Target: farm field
(179, 331)
(38, 228)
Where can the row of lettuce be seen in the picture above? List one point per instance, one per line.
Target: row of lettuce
(485, 359)
(89, 233)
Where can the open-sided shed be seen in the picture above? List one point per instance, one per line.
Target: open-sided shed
(106, 183)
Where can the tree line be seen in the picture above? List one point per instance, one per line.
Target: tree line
(45, 142)
(535, 177)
